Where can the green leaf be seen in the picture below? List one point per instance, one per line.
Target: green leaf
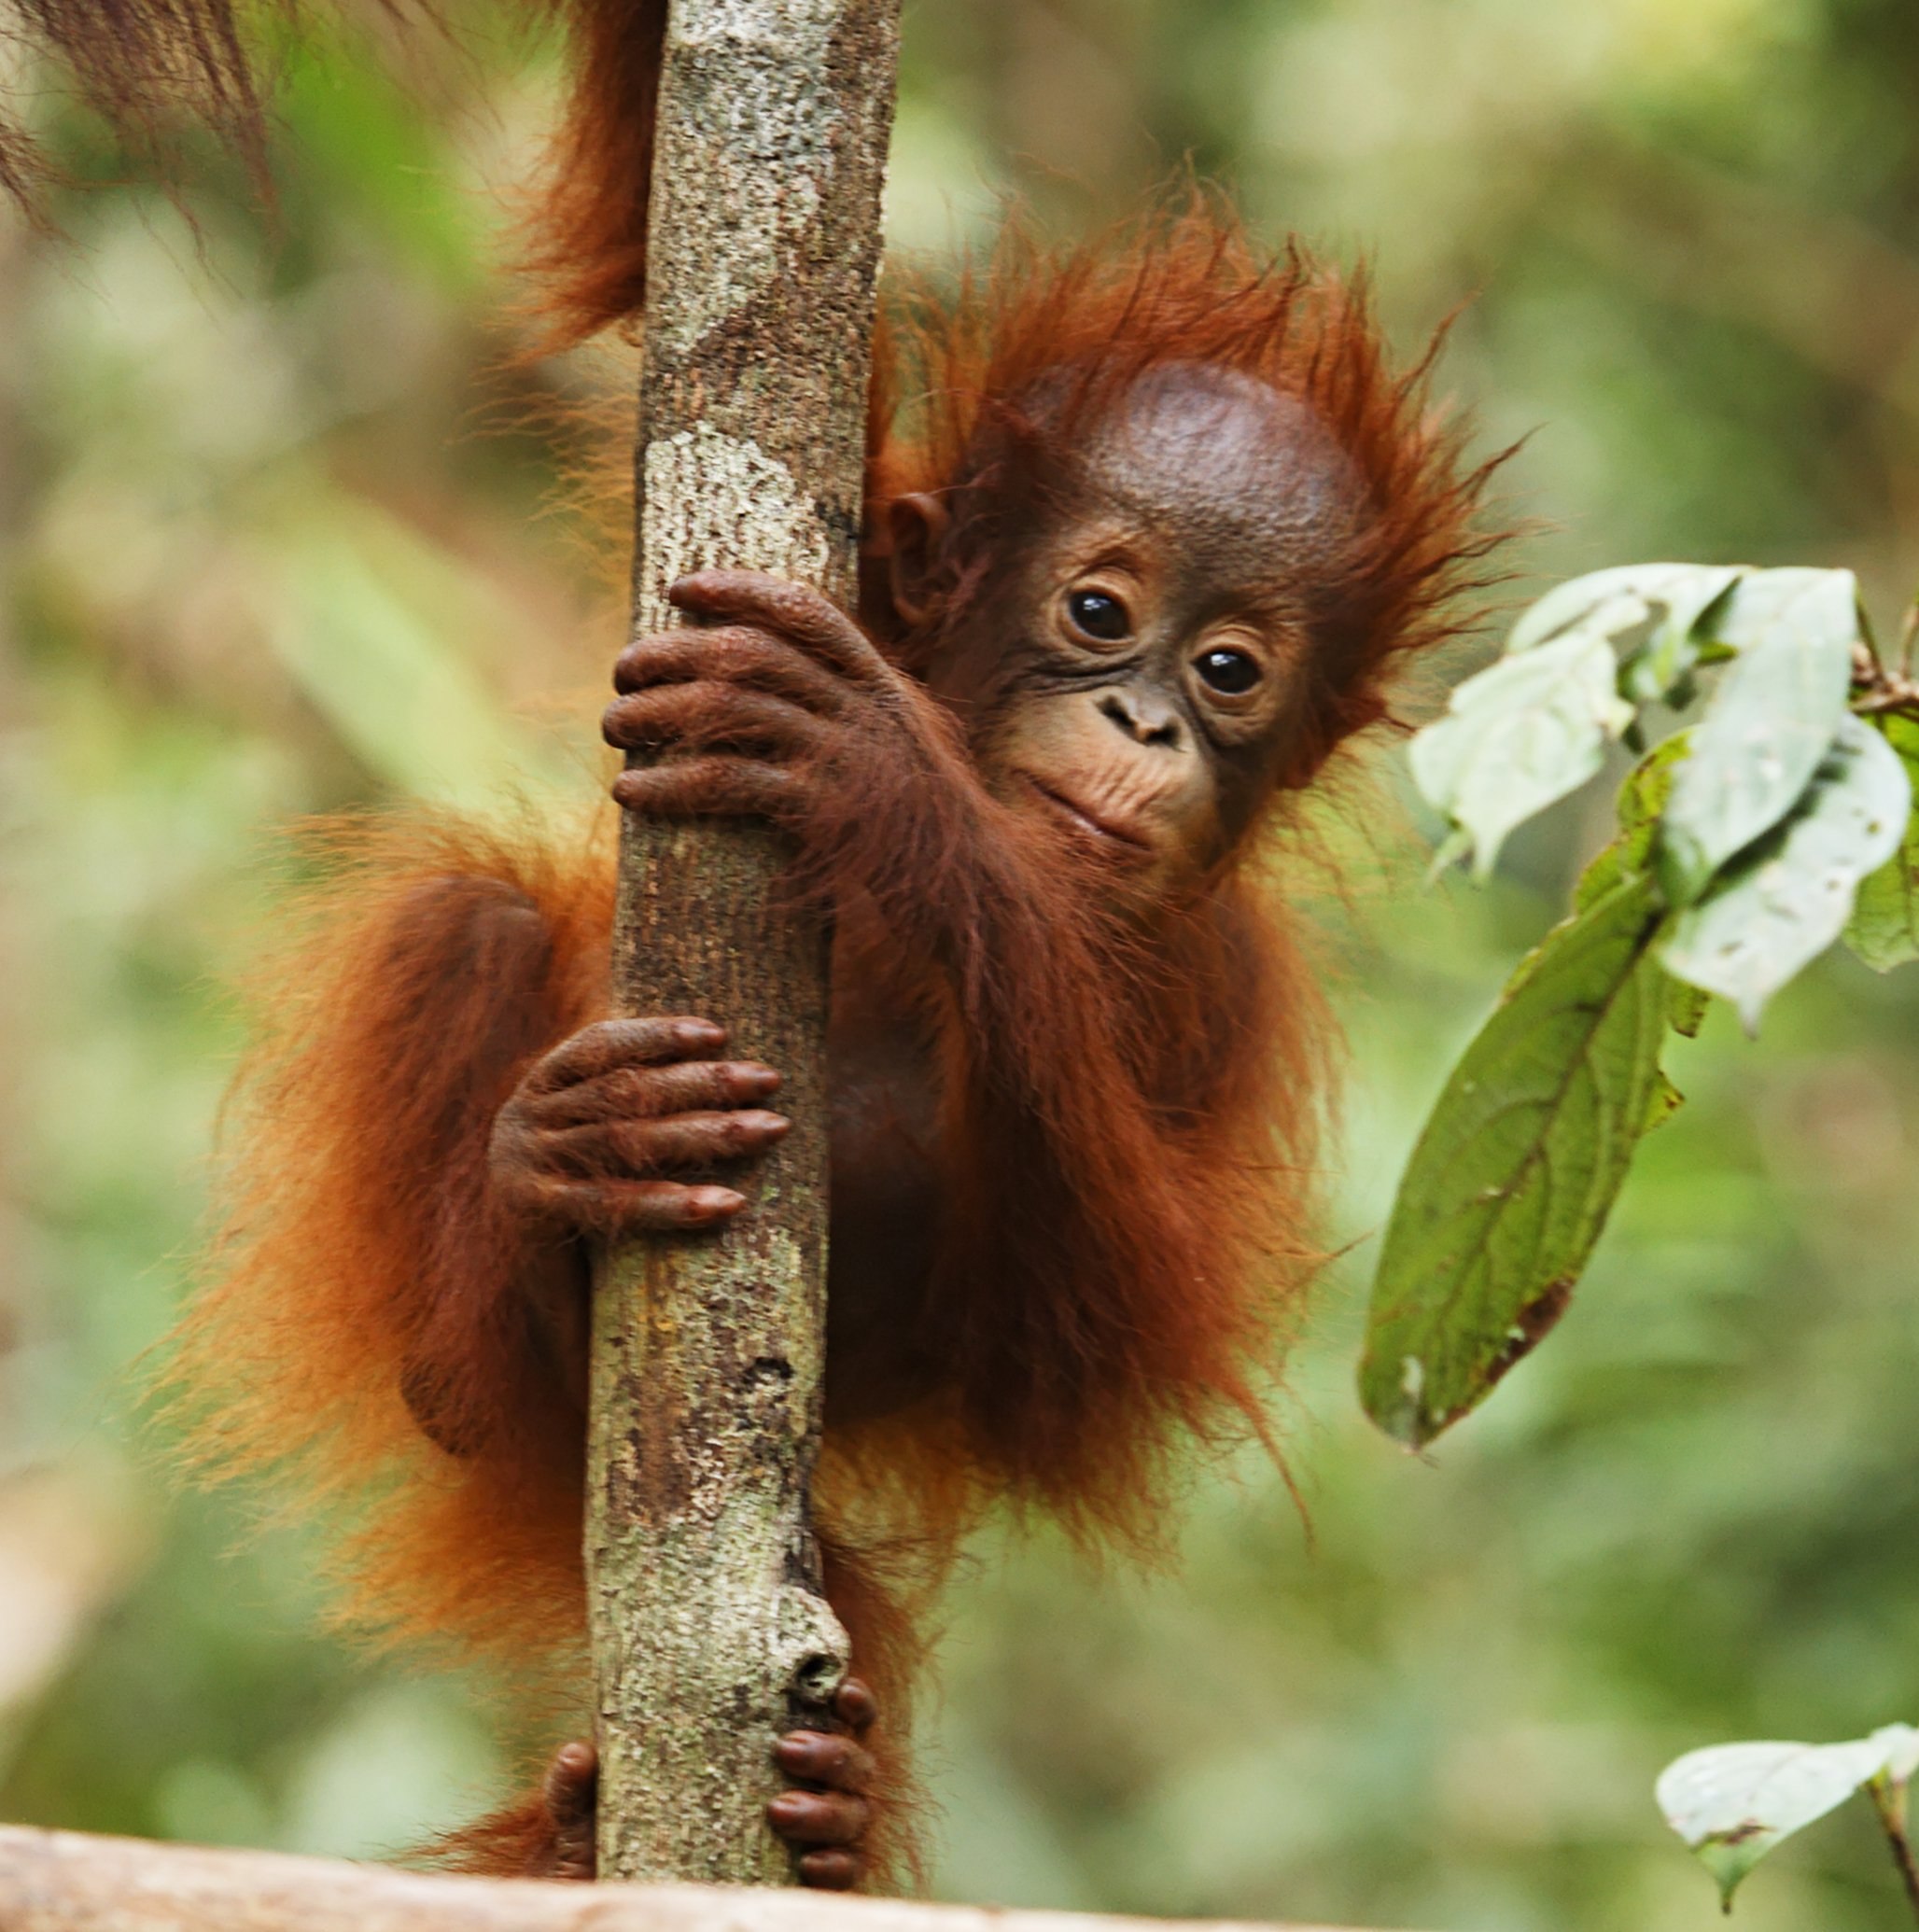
(1884, 929)
(1648, 786)
(1521, 733)
(1662, 666)
(1664, 1101)
(1769, 723)
(1732, 1803)
(1517, 1167)
(1642, 799)
(1607, 603)
(1686, 1007)
(1766, 601)
(1783, 902)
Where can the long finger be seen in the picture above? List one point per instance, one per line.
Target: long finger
(705, 714)
(609, 1043)
(571, 1787)
(732, 654)
(795, 611)
(637, 1207)
(710, 786)
(838, 1870)
(629, 1093)
(571, 1791)
(855, 1705)
(650, 1147)
(825, 1757)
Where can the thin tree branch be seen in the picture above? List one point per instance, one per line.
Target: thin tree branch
(73, 1882)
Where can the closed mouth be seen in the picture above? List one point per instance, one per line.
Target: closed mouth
(1079, 815)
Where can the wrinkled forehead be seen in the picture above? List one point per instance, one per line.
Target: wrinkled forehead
(1251, 476)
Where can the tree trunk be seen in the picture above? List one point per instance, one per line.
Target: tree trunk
(709, 1635)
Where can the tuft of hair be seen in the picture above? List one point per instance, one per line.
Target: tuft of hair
(586, 231)
(146, 67)
(152, 68)
(1032, 346)
(352, 1240)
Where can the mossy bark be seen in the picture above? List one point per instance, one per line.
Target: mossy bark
(709, 1634)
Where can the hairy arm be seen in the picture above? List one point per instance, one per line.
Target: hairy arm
(1090, 1292)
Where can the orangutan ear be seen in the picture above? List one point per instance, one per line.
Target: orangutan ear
(915, 526)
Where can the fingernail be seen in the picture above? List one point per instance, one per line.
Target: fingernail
(699, 1034)
(719, 1201)
(763, 1123)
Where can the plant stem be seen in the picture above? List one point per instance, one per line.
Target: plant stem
(1876, 687)
(1889, 1801)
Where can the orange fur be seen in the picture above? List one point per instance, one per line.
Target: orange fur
(1035, 344)
(146, 67)
(355, 1237)
(152, 69)
(587, 232)
(1128, 1127)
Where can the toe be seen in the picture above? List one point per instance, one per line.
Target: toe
(830, 1871)
(825, 1757)
(855, 1706)
(572, 1782)
(818, 1817)
(571, 1794)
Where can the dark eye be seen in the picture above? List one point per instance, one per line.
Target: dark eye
(1231, 673)
(1098, 615)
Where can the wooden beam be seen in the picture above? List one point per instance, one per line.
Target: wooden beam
(73, 1882)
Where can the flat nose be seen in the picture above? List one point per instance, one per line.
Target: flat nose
(1147, 720)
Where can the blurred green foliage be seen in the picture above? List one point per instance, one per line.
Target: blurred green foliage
(273, 541)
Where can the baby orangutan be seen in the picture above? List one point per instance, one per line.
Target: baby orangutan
(1148, 524)
(1143, 539)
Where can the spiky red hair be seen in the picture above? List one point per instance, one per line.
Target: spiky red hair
(959, 363)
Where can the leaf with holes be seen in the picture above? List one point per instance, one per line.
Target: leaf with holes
(1524, 733)
(1884, 929)
(1769, 723)
(1517, 1167)
(1732, 1803)
(1783, 902)
(1612, 603)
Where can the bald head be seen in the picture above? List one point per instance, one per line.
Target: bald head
(1255, 484)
